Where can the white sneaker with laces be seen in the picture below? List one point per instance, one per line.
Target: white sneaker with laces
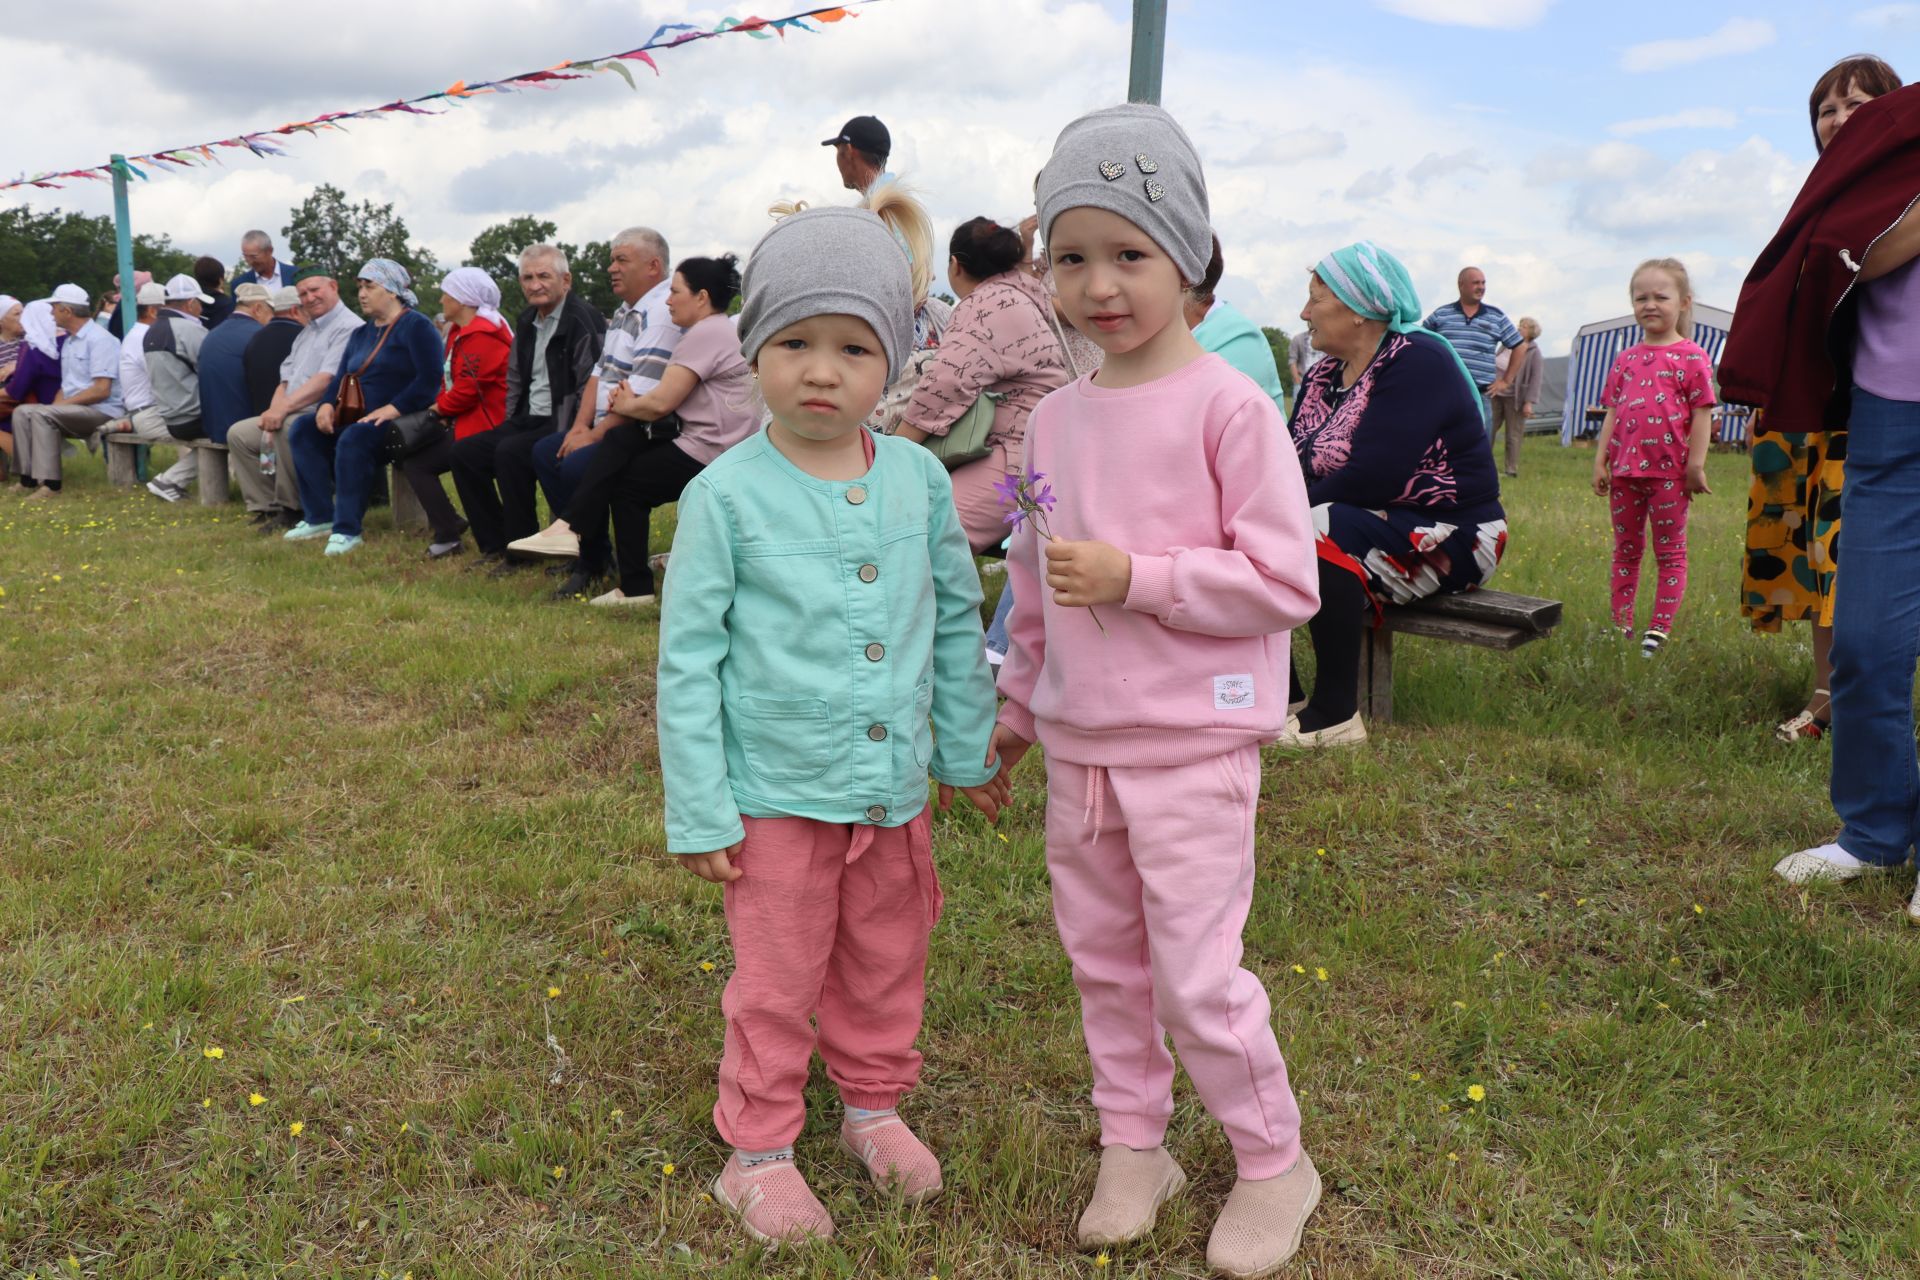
(1822, 862)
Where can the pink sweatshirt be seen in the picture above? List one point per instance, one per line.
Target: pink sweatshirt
(1195, 477)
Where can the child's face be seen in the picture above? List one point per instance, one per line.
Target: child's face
(1657, 301)
(822, 376)
(1115, 284)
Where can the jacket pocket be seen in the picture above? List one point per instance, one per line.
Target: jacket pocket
(922, 724)
(784, 739)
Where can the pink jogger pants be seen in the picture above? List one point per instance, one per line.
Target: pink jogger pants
(829, 925)
(1663, 504)
(1152, 880)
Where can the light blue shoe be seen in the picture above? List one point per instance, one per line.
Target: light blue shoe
(341, 543)
(303, 531)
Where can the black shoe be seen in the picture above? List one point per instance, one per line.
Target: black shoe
(258, 518)
(504, 567)
(562, 568)
(578, 586)
(441, 550)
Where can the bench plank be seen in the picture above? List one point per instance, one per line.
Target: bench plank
(1500, 607)
(1436, 626)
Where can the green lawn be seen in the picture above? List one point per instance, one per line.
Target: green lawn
(378, 842)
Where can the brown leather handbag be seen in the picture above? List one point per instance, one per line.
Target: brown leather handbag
(350, 405)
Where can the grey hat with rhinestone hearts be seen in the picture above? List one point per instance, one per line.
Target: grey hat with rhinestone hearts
(1133, 160)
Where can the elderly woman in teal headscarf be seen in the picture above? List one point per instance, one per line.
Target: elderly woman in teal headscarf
(1405, 494)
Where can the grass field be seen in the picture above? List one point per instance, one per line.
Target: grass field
(336, 941)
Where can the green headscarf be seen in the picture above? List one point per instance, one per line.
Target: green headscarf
(1373, 283)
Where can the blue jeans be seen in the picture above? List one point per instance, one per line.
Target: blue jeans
(1876, 633)
(997, 638)
(559, 477)
(336, 472)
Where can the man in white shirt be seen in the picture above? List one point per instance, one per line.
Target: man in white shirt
(89, 394)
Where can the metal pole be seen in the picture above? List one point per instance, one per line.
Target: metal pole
(1149, 50)
(123, 257)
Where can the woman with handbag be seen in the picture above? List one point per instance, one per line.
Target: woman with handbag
(1001, 354)
(472, 399)
(391, 366)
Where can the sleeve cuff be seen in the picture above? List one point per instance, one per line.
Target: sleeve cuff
(1019, 720)
(679, 846)
(1151, 590)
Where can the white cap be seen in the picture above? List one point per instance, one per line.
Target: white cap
(183, 288)
(70, 294)
(150, 295)
(285, 298)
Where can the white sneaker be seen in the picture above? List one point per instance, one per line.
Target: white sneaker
(1913, 907)
(303, 531)
(1350, 732)
(164, 491)
(560, 546)
(616, 598)
(1827, 862)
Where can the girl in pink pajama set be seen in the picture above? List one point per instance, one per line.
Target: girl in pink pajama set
(1152, 668)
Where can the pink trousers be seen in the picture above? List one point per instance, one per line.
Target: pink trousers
(1152, 880)
(829, 925)
(1636, 504)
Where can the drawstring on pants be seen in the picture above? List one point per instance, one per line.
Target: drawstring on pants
(1096, 810)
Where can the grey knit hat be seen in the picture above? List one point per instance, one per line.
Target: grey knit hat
(1136, 161)
(826, 262)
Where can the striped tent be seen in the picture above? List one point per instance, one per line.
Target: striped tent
(1594, 349)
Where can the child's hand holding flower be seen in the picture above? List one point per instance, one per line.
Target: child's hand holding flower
(1088, 573)
(716, 866)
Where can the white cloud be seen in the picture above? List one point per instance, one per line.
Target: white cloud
(1507, 14)
(1694, 118)
(1371, 185)
(1734, 36)
(1433, 165)
(1891, 18)
(1295, 145)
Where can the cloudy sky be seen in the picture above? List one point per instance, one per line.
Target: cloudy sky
(1554, 143)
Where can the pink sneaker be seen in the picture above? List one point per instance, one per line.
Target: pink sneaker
(773, 1202)
(893, 1155)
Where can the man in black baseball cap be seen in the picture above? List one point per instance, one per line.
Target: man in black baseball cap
(861, 149)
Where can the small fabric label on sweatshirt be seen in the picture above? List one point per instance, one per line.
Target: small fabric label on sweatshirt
(1233, 693)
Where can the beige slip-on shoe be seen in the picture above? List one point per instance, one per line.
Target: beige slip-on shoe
(1261, 1225)
(1350, 732)
(1128, 1194)
(560, 546)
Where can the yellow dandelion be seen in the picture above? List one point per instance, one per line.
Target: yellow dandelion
(559, 1171)
(1003, 837)
(1299, 968)
(255, 1099)
(667, 1169)
(1102, 1260)
(1673, 959)
(1459, 1004)
(706, 966)
(1579, 902)
(1476, 1093)
(1319, 974)
(1319, 853)
(146, 1026)
(56, 577)
(1498, 956)
(405, 1127)
(1445, 1107)
(297, 1128)
(1415, 1076)
(206, 1103)
(705, 1198)
(553, 993)
(1699, 910)
(1453, 1157)
(1543, 895)
(615, 1114)
(213, 1051)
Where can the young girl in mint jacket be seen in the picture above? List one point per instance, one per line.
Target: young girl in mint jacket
(820, 651)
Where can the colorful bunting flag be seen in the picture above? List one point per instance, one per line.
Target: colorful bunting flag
(261, 143)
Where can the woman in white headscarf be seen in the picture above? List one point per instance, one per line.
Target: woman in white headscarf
(473, 394)
(29, 363)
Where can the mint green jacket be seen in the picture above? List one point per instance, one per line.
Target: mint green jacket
(820, 646)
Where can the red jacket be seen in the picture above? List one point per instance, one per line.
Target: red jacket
(473, 391)
(1790, 350)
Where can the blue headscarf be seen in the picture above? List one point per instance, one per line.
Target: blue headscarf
(392, 277)
(1373, 283)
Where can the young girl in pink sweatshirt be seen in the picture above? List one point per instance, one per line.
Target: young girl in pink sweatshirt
(1149, 659)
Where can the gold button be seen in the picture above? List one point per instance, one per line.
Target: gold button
(856, 495)
(878, 733)
(876, 813)
(875, 652)
(869, 572)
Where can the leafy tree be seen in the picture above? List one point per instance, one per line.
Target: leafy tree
(41, 250)
(496, 251)
(326, 231)
(1279, 341)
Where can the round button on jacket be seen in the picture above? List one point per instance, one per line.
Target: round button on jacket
(869, 572)
(876, 813)
(856, 495)
(878, 733)
(876, 651)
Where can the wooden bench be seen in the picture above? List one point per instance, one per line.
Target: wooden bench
(1489, 619)
(123, 457)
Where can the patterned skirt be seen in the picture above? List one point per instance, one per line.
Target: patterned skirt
(1403, 554)
(1793, 526)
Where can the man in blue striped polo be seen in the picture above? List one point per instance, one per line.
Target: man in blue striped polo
(1477, 330)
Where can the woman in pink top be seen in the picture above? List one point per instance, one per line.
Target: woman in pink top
(704, 404)
(1001, 339)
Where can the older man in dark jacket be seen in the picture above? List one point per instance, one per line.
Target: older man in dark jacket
(556, 342)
